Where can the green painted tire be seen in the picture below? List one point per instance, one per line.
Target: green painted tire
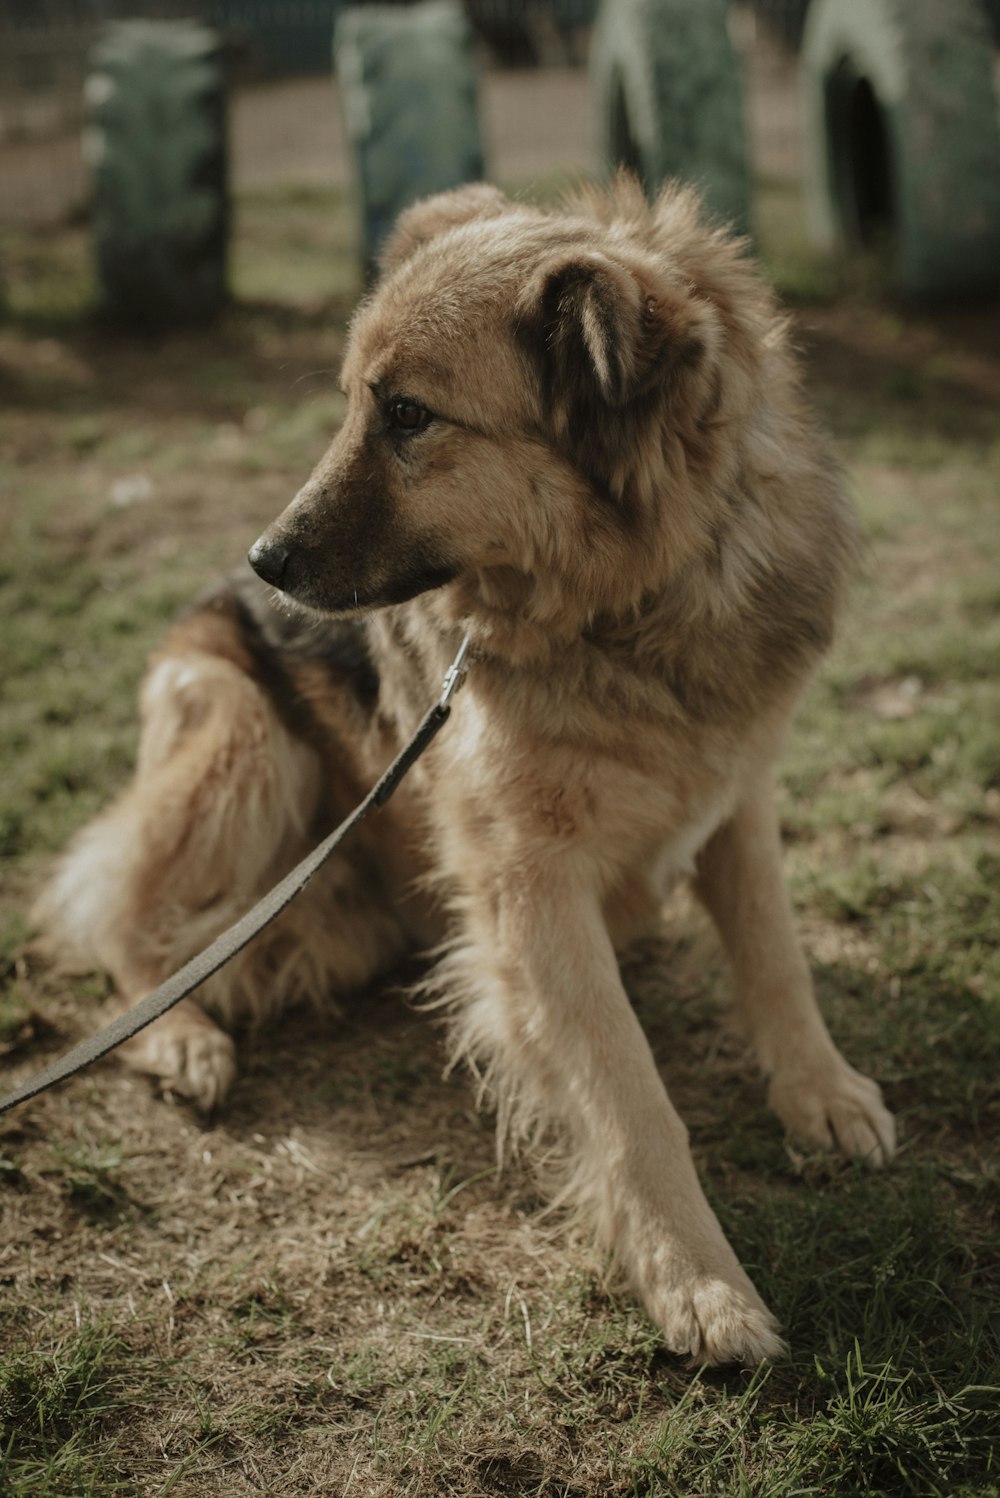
(668, 94)
(408, 86)
(902, 139)
(156, 144)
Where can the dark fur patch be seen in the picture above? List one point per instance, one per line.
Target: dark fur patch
(608, 352)
(276, 637)
(427, 572)
(341, 645)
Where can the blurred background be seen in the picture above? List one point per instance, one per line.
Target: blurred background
(286, 121)
(819, 116)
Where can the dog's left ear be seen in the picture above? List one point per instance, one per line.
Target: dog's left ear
(604, 333)
(429, 217)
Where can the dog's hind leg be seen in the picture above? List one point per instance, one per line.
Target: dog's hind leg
(221, 805)
(820, 1098)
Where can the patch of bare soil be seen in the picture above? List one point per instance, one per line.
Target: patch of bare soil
(916, 358)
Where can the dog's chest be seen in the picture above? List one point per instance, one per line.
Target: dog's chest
(680, 848)
(645, 802)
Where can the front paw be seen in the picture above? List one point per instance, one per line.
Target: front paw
(189, 1055)
(716, 1317)
(831, 1106)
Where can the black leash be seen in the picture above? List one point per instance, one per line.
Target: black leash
(219, 952)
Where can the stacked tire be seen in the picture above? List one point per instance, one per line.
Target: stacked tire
(903, 139)
(408, 87)
(668, 91)
(156, 144)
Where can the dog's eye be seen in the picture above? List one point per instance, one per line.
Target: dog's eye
(407, 416)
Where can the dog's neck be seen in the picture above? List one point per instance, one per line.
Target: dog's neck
(525, 620)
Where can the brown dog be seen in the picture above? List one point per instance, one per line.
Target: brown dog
(579, 436)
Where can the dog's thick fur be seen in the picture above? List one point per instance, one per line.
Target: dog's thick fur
(579, 436)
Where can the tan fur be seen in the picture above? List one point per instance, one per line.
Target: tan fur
(618, 492)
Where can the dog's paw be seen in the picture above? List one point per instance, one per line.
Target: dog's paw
(188, 1054)
(714, 1320)
(834, 1107)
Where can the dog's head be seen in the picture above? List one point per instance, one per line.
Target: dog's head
(506, 384)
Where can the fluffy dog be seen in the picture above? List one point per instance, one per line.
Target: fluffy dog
(579, 436)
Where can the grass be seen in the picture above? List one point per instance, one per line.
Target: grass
(328, 1290)
(58, 1404)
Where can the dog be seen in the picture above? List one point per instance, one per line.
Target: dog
(579, 436)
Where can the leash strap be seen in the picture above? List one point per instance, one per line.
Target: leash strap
(226, 946)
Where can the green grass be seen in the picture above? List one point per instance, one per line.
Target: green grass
(57, 1405)
(73, 623)
(294, 248)
(49, 280)
(876, 1431)
(330, 1290)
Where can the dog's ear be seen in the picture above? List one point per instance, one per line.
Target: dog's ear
(605, 333)
(429, 217)
(609, 341)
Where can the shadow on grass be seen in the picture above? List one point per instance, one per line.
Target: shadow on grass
(253, 351)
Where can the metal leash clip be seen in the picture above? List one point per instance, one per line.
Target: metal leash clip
(455, 676)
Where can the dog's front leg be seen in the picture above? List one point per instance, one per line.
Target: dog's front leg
(548, 1013)
(817, 1095)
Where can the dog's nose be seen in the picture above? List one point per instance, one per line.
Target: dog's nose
(269, 560)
